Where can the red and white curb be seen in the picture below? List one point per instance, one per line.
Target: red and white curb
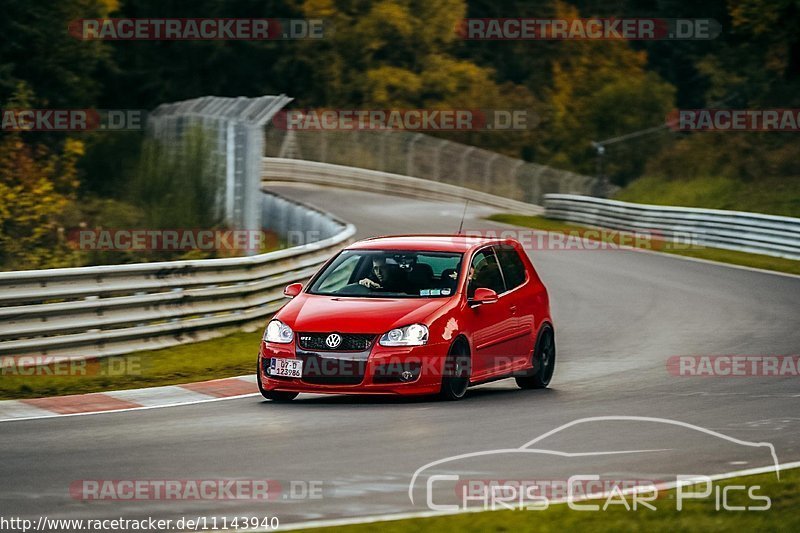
(129, 400)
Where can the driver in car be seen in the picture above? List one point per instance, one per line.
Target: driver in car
(381, 277)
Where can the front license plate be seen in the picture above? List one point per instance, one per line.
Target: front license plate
(290, 368)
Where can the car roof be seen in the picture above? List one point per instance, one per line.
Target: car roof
(426, 243)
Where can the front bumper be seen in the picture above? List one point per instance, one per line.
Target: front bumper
(379, 372)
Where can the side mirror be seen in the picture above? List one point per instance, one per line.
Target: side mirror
(483, 296)
(293, 290)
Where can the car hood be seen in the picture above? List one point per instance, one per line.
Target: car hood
(315, 313)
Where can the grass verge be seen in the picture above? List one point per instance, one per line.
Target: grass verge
(765, 262)
(696, 515)
(231, 355)
(772, 195)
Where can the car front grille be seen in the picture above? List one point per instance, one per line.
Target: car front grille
(350, 342)
(332, 371)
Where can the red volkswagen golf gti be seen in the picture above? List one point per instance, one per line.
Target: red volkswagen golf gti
(411, 315)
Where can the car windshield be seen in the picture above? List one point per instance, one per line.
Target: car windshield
(390, 274)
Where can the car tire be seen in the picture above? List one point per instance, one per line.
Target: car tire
(543, 362)
(456, 372)
(274, 395)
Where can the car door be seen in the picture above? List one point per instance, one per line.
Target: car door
(493, 329)
(522, 307)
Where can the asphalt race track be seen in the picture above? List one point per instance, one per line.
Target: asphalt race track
(619, 316)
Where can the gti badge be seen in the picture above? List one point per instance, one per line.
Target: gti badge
(333, 340)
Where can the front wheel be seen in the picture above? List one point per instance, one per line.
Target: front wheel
(274, 395)
(456, 372)
(543, 362)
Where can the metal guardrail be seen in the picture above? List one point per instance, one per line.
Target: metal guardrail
(298, 170)
(116, 309)
(732, 230)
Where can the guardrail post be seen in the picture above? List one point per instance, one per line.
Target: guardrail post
(437, 160)
(382, 149)
(465, 165)
(513, 177)
(410, 154)
(487, 172)
(230, 168)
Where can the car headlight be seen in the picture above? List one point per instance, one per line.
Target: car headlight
(278, 332)
(413, 335)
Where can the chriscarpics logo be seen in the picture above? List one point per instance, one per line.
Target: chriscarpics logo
(579, 464)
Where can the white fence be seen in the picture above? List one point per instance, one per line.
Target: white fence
(732, 230)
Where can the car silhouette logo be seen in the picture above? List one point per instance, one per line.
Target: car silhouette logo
(333, 340)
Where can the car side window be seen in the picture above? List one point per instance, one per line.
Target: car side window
(484, 272)
(512, 265)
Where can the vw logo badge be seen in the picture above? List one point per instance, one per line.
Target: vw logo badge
(333, 340)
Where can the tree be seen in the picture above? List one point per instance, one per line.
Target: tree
(602, 90)
(36, 185)
(62, 71)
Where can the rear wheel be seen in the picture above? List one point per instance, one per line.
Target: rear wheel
(274, 395)
(457, 369)
(543, 362)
